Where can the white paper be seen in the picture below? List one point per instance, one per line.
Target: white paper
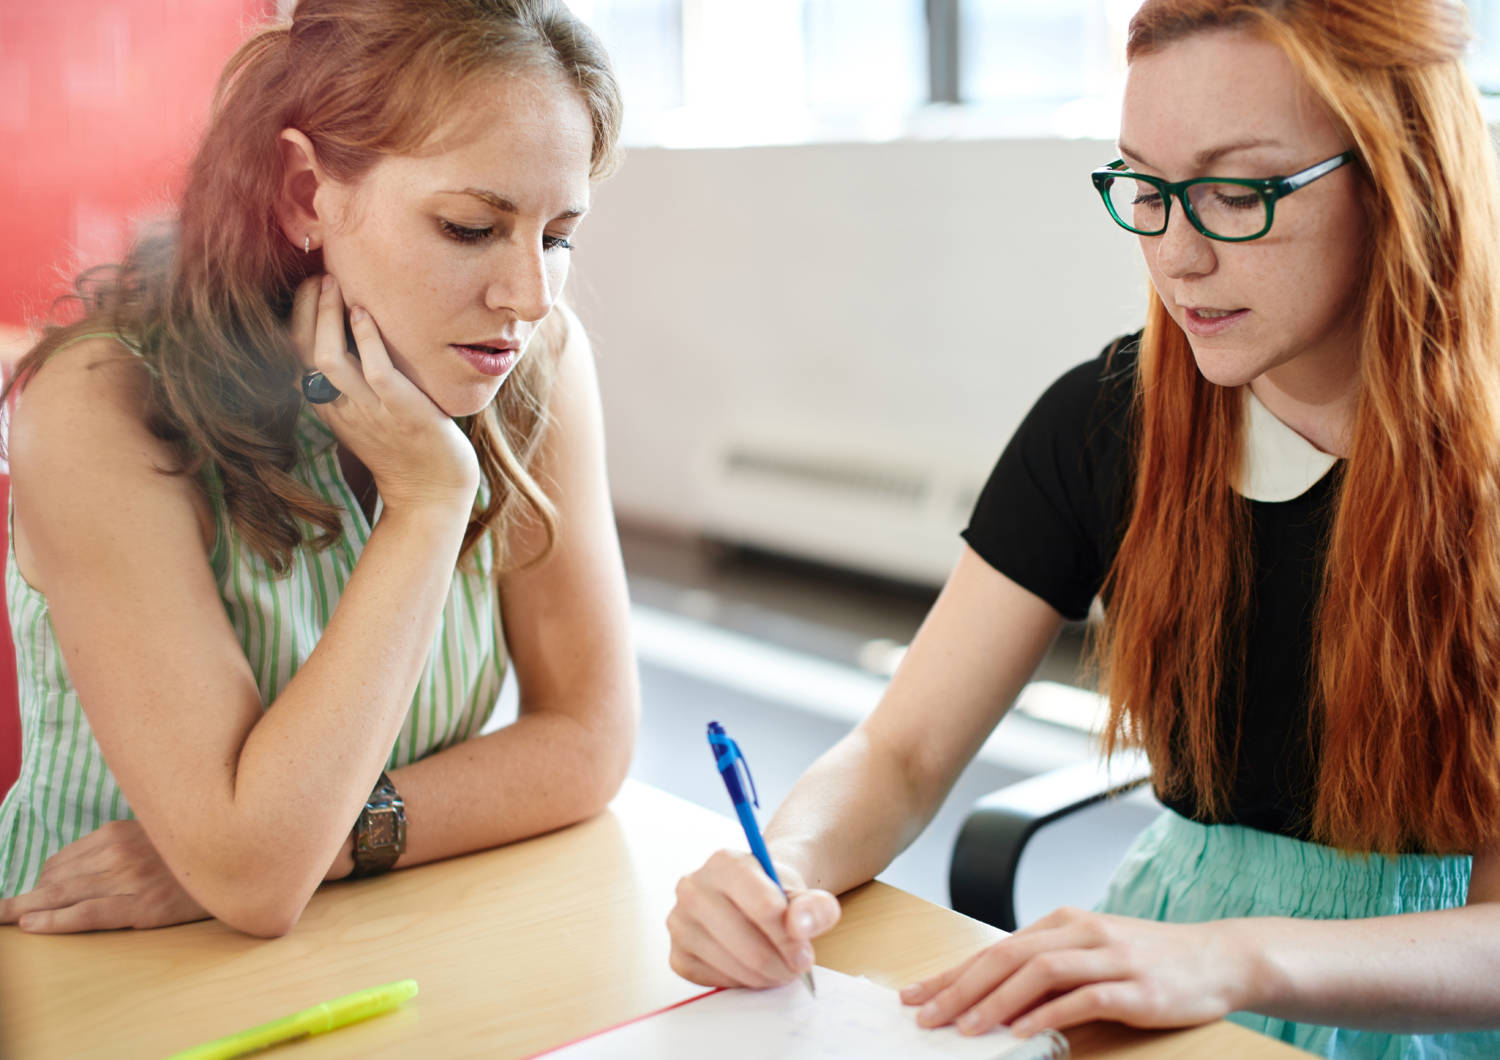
(850, 1018)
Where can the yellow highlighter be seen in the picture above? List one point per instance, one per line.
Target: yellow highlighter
(329, 1016)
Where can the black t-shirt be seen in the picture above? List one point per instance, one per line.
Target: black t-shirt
(1051, 518)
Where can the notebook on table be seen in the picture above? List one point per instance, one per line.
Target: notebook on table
(850, 1018)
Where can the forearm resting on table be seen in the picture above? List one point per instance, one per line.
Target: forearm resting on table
(544, 771)
(852, 812)
(1437, 971)
(306, 765)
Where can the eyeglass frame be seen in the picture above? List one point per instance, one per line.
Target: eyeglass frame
(1269, 188)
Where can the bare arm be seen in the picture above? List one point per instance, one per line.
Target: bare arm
(1412, 973)
(247, 807)
(861, 803)
(567, 624)
(870, 795)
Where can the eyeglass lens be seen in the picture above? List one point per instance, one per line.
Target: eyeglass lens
(1229, 210)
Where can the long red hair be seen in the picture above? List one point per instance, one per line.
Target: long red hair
(1406, 681)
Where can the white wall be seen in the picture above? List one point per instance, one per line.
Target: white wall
(885, 309)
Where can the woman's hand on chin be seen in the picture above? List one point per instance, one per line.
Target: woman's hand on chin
(416, 453)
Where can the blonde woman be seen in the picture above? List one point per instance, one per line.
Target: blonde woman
(311, 472)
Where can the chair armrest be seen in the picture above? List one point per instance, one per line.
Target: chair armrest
(982, 873)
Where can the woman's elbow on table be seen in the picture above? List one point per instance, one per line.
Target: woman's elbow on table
(615, 757)
(263, 923)
(261, 900)
(604, 770)
(265, 913)
(609, 747)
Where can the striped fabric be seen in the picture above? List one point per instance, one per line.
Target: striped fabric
(65, 790)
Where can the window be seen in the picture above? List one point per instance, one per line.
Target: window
(1029, 51)
(644, 38)
(724, 72)
(729, 72)
(1484, 55)
(864, 52)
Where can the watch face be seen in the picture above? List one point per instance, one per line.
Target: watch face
(382, 831)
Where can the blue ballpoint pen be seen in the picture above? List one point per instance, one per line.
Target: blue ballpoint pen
(727, 758)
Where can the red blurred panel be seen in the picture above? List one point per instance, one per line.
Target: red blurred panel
(101, 104)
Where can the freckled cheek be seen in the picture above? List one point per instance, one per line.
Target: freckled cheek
(454, 282)
(413, 306)
(375, 274)
(431, 288)
(1327, 274)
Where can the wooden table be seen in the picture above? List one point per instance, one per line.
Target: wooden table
(515, 950)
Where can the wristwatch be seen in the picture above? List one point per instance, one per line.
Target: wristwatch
(380, 832)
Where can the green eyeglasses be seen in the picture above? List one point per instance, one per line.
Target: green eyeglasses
(1224, 208)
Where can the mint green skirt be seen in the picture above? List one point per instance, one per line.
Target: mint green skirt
(1185, 872)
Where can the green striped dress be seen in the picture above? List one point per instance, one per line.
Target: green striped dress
(65, 790)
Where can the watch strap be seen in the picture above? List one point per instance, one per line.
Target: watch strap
(380, 830)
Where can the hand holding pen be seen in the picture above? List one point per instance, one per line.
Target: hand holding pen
(728, 759)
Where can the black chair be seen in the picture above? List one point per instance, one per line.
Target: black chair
(982, 873)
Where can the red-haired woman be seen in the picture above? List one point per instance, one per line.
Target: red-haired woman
(1287, 492)
(310, 473)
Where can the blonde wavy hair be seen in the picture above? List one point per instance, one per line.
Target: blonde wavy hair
(206, 301)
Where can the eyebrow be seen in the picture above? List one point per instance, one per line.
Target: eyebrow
(505, 205)
(1209, 156)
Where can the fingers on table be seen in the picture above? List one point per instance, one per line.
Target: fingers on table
(91, 914)
(40, 908)
(1121, 1000)
(995, 995)
(1043, 977)
(924, 990)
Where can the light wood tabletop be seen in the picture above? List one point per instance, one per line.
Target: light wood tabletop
(515, 951)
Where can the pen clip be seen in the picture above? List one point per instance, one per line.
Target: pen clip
(732, 756)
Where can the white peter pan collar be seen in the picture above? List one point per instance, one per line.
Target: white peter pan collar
(1279, 464)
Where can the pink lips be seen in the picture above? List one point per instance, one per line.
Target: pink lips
(493, 360)
(1198, 324)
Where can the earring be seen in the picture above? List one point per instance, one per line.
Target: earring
(307, 244)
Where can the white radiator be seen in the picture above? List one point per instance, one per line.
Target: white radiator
(896, 516)
(821, 350)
